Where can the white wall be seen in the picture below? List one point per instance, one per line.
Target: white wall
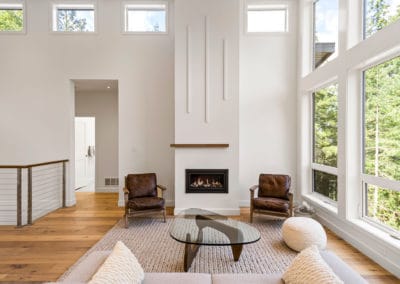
(103, 106)
(37, 97)
(206, 97)
(268, 85)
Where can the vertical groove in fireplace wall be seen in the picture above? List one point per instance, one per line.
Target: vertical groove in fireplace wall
(207, 180)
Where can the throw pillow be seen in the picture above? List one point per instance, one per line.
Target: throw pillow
(120, 267)
(308, 267)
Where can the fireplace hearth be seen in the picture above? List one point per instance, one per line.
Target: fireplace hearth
(207, 180)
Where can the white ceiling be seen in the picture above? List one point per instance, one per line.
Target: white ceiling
(96, 85)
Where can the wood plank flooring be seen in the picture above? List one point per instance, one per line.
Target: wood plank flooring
(43, 251)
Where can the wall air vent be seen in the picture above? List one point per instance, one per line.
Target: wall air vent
(111, 181)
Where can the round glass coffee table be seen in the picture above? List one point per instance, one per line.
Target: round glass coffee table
(197, 227)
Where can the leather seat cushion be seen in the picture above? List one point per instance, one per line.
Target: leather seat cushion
(272, 185)
(145, 203)
(270, 203)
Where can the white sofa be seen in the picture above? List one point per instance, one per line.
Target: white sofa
(83, 272)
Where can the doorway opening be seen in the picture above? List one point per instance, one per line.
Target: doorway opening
(85, 154)
(96, 135)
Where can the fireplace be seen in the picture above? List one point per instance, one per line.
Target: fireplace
(207, 180)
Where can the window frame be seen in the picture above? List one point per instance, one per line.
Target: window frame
(124, 18)
(267, 6)
(72, 5)
(364, 21)
(313, 37)
(316, 166)
(367, 179)
(24, 17)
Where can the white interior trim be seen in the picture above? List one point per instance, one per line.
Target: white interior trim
(381, 182)
(324, 168)
(188, 62)
(206, 72)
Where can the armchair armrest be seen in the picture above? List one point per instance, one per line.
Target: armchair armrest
(160, 192)
(163, 188)
(126, 191)
(126, 197)
(252, 190)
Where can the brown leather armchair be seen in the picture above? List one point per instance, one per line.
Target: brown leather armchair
(143, 195)
(273, 196)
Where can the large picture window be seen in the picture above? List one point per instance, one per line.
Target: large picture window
(11, 17)
(324, 166)
(379, 14)
(326, 31)
(381, 147)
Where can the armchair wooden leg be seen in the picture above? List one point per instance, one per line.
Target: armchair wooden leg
(164, 215)
(126, 221)
(251, 215)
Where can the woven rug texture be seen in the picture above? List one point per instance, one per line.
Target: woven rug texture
(150, 242)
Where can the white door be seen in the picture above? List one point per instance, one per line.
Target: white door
(84, 152)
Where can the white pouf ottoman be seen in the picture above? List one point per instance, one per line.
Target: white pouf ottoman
(301, 232)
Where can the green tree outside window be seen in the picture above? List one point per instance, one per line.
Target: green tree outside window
(11, 20)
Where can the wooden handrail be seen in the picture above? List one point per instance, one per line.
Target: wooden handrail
(199, 145)
(32, 165)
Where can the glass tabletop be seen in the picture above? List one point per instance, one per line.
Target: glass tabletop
(202, 227)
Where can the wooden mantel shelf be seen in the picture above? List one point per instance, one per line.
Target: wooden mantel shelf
(199, 145)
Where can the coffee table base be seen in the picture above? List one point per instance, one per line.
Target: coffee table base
(192, 249)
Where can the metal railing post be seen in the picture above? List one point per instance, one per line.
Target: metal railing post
(30, 195)
(19, 197)
(64, 185)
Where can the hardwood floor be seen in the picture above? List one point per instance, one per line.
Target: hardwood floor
(43, 251)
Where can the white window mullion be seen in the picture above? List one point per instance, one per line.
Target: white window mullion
(325, 169)
(381, 182)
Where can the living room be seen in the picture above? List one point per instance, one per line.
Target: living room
(252, 87)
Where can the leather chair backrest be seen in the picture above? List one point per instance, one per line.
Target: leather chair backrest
(141, 185)
(277, 186)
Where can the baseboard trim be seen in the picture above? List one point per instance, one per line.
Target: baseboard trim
(104, 189)
(244, 203)
(221, 211)
(70, 202)
(382, 253)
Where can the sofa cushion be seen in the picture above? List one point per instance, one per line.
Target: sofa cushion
(309, 267)
(177, 278)
(146, 203)
(247, 278)
(274, 204)
(274, 186)
(120, 267)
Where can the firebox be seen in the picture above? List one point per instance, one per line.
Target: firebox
(207, 180)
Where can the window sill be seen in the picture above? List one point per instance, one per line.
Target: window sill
(145, 33)
(376, 232)
(23, 32)
(320, 203)
(360, 225)
(95, 33)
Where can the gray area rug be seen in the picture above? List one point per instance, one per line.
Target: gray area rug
(156, 251)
